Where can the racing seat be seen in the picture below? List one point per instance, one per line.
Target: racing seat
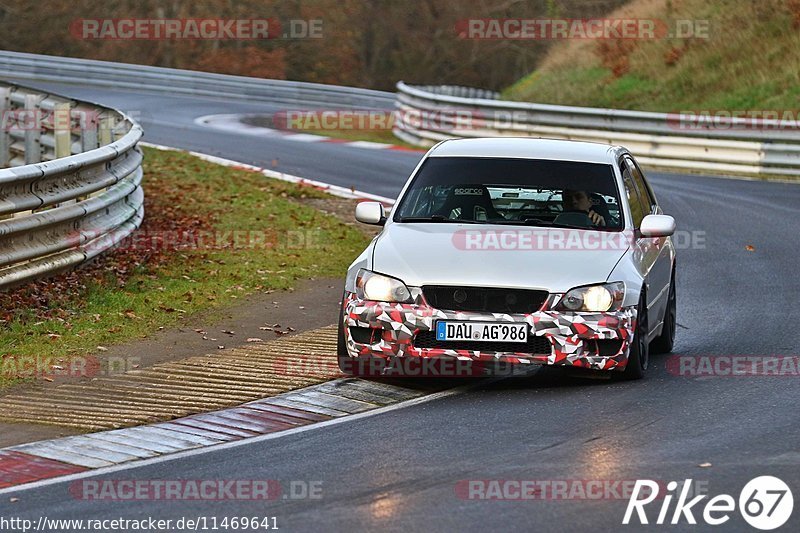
(472, 202)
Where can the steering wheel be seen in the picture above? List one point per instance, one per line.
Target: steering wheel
(574, 218)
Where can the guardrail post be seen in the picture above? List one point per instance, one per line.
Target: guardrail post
(89, 123)
(33, 134)
(104, 131)
(62, 129)
(117, 128)
(62, 133)
(5, 138)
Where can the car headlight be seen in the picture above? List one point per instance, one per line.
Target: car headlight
(594, 298)
(373, 286)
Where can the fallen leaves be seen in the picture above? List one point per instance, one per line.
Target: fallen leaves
(63, 296)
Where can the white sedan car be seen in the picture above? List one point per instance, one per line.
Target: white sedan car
(520, 251)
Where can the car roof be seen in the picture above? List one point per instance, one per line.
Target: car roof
(527, 148)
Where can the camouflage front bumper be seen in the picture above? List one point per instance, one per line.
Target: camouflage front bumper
(570, 334)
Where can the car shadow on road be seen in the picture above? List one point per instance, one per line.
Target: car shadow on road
(520, 378)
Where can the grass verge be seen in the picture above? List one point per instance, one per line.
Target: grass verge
(211, 235)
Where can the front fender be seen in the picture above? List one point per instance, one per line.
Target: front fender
(626, 270)
(364, 260)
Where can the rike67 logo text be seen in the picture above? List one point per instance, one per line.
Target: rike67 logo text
(765, 503)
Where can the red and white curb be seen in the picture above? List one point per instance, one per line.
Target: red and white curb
(233, 123)
(28, 463)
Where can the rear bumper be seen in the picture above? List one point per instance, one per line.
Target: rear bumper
(389, 330)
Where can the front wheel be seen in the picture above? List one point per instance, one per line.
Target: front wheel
(342, 355)
(639, 351)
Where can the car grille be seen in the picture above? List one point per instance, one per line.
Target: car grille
(535, 345)
(484, 300)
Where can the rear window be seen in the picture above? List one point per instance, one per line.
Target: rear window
(513, 191)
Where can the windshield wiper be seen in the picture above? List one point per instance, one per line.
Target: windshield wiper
(526, 222)
(436, 218)
(543, 224)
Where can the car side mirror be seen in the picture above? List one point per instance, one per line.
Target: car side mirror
(371, 213)
(657, 226)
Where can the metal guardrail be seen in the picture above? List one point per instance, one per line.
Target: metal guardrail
(21, 66)
(427, 115)
(73, 189)
(73, 186)
(459, 91)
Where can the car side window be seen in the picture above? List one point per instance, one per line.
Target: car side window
(644, 190)
(635, 203)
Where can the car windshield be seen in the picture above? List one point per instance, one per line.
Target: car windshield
(513, 191)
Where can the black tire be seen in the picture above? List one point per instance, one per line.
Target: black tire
(664, 342)
(342, 355)
(639, 351)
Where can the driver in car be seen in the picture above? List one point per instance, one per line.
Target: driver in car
(579, 201)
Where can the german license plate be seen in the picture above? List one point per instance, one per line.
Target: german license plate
(447, 330)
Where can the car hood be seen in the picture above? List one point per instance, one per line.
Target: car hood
(552, 259)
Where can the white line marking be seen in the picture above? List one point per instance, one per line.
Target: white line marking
(369, 145)
(307, 138)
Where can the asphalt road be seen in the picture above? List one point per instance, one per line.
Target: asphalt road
(400, 470)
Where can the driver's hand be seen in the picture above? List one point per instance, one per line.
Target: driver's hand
(597, 220)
